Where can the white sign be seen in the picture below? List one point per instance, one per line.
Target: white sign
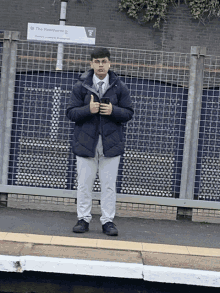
(61, 33)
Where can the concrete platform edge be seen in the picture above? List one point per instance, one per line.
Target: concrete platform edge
(160, 274)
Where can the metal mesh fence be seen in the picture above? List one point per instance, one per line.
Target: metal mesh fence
(40, 152)
(207, 182)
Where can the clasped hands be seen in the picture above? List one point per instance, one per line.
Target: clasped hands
(103, 109)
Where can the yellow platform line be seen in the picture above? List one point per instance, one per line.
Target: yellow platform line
(109, 244)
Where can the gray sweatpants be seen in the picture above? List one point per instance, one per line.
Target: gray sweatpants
(87, 169)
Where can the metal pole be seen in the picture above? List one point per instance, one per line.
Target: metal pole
(4, 94)
(59, 65)
(7, 99)
(192, 122)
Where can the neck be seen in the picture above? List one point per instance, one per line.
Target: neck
(101, 76)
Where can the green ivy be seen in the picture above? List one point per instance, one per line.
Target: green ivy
(202, 9)
(147, 10)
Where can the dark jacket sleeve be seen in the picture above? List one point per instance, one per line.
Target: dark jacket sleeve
(76, 110)
(124, 111)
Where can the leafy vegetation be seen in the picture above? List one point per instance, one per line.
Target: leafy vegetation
(148, 10)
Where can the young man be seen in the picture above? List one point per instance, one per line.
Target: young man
(98, 137)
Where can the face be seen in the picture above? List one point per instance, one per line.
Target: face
(100, 66)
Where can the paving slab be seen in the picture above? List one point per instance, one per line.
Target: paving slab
(181, 261)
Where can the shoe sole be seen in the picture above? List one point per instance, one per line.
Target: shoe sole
(80, 231)
(110, 234)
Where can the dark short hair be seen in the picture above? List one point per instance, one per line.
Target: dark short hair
(100, 53)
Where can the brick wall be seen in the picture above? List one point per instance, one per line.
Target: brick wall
(114, 28)
(15, 14)
(181, 32)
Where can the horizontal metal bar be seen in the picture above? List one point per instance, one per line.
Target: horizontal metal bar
(198, 51)
(164, 201)
(11, 35)
(117, 49)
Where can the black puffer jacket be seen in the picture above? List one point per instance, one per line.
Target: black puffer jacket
(87, 125)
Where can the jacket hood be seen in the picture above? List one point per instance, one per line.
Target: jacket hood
(86, 77)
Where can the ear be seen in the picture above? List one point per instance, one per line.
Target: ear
(91, 64)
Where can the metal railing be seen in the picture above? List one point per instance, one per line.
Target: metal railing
(207, 179)
(165, 159)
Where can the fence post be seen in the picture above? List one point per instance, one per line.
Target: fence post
(7, 99)
(192, 122)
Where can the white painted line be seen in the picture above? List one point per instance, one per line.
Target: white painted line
(181, 276)
(109, 269)
(84, 267)
(9, 263)
(71, 266)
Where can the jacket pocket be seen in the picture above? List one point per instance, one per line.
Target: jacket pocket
(113, 99)
(77, 131)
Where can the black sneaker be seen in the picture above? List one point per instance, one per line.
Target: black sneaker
(110, 229)
(81, 227)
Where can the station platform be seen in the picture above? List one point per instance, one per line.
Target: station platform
(181, 252)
